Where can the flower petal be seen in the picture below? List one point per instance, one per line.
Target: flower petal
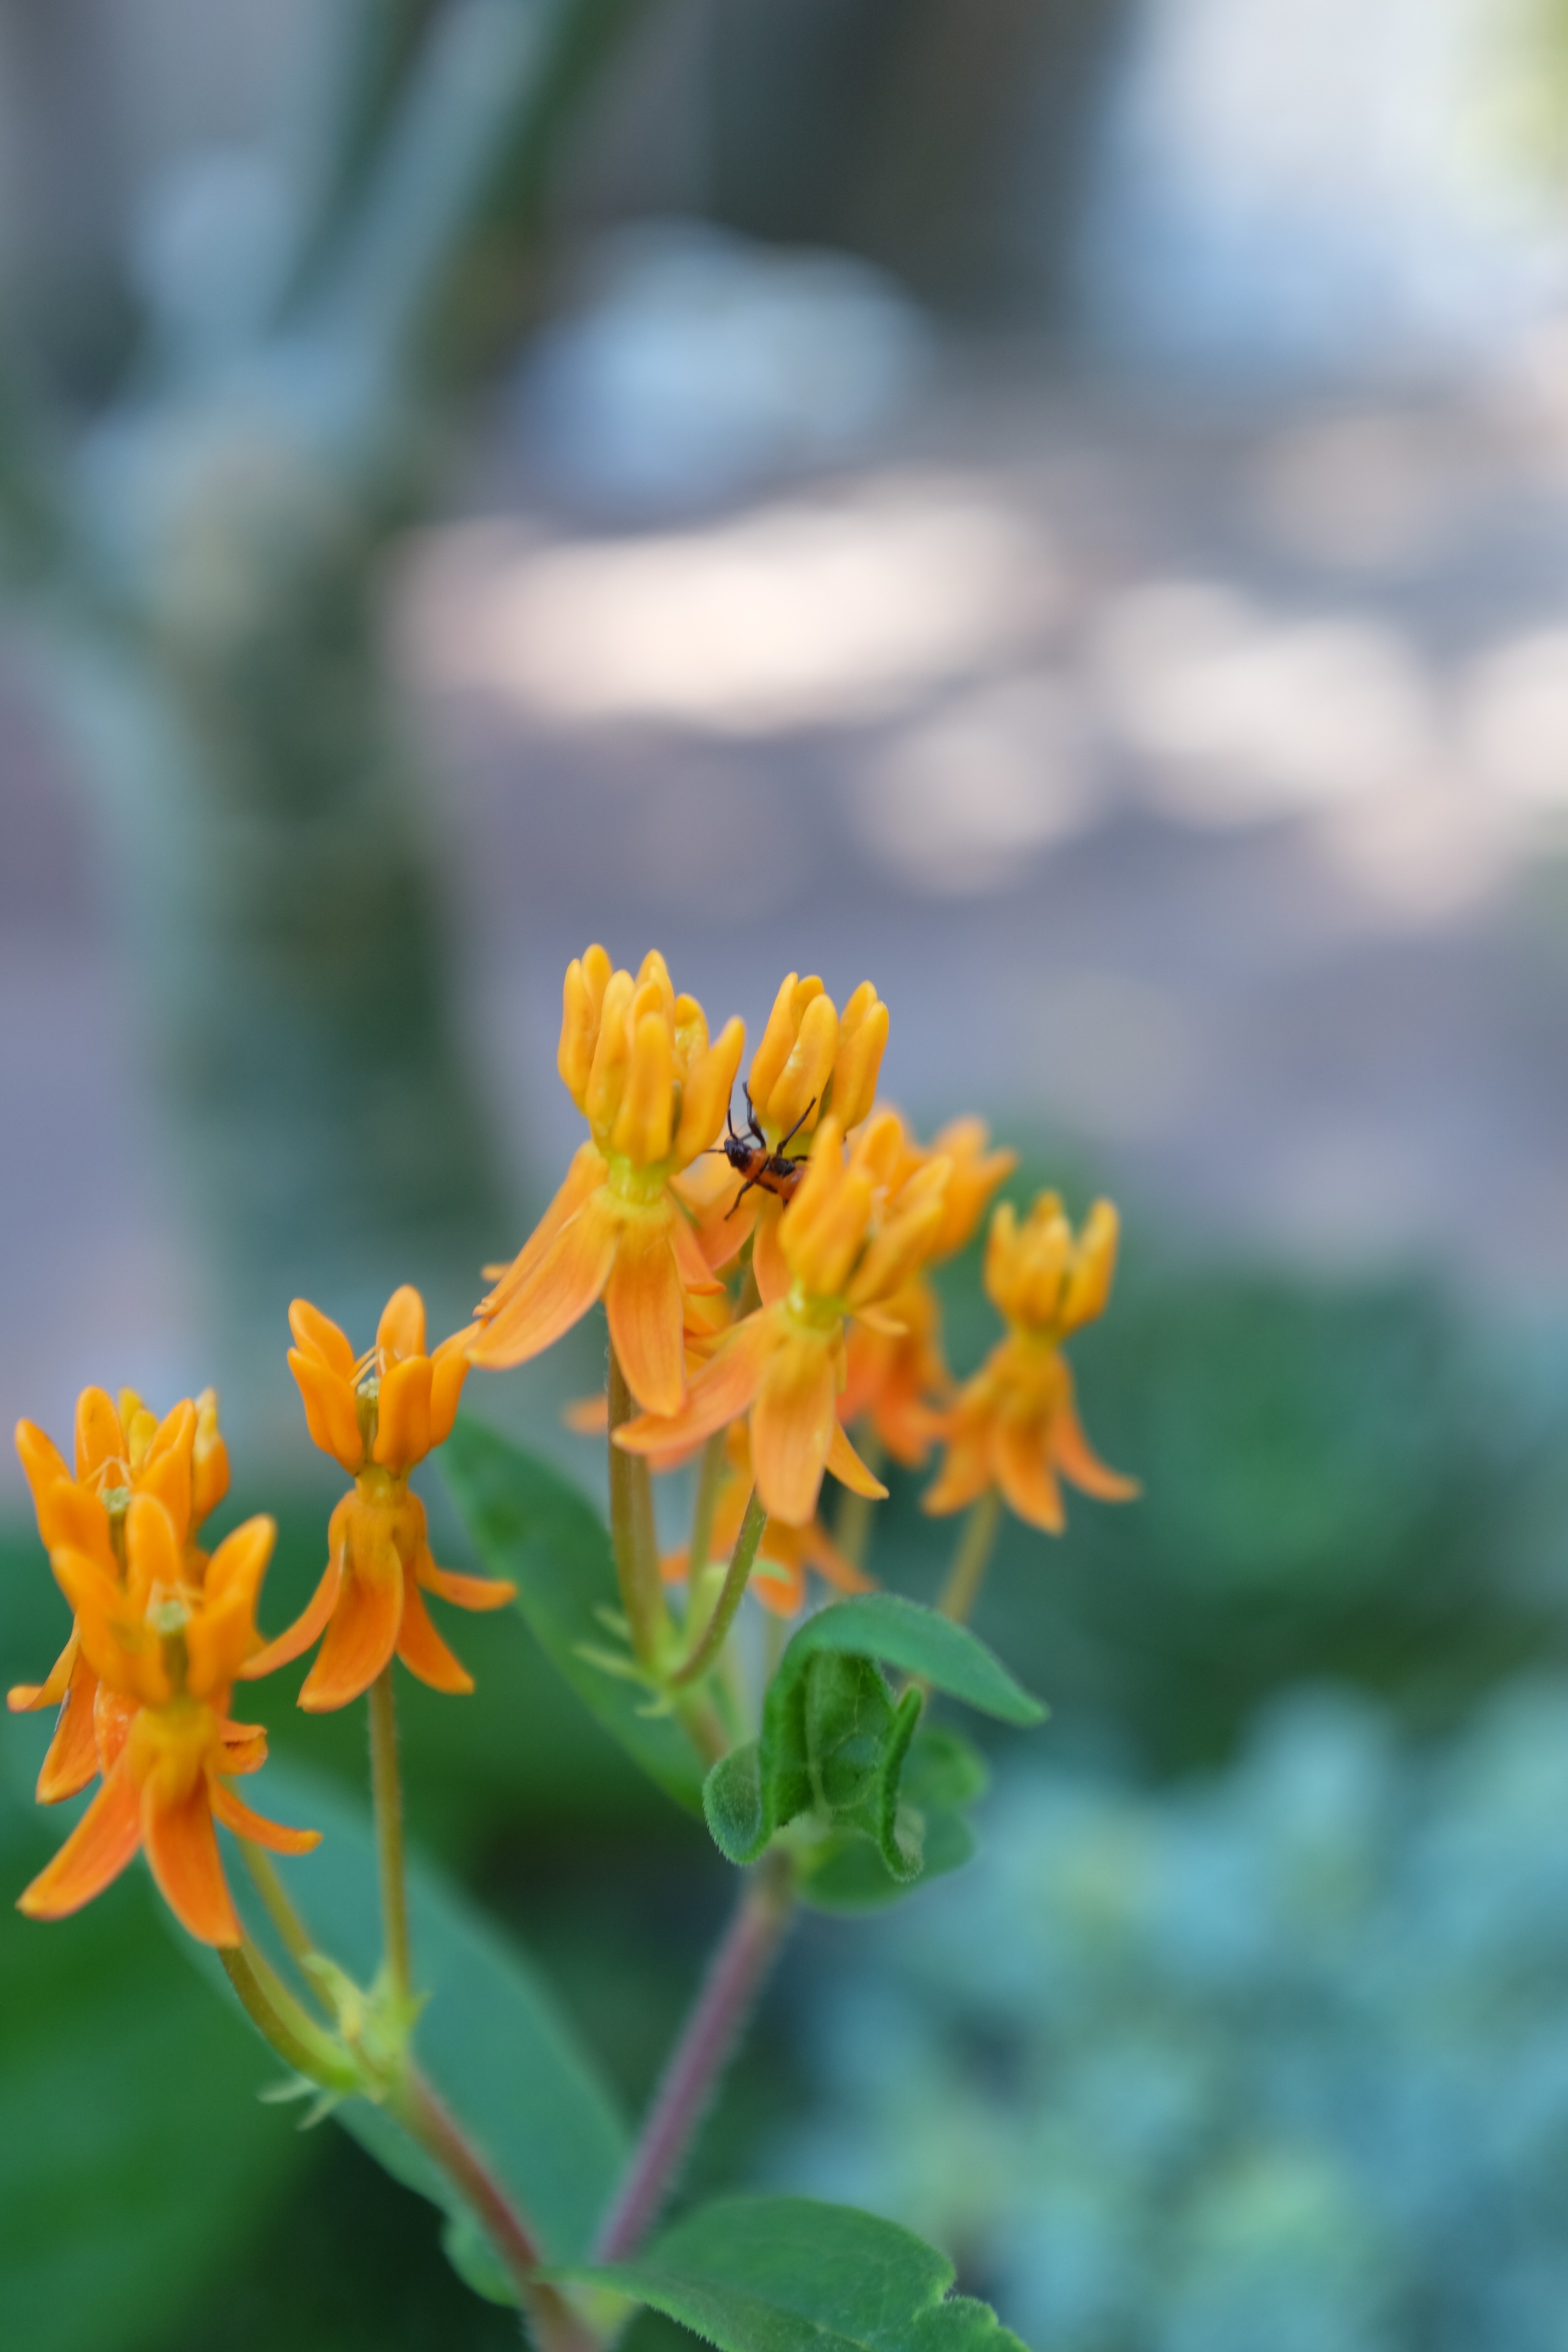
(696, 1274)
(180, 1845)
(27, 1698)
(449, 1371)
(422, 1651)
(1026, 1476)
(330, 1411)
(563, 1287)
(94, 1854)
(849, 1470)
(99, 1438)
(1076, 1458)
(769, 1263)
(585, 1175)
(723, 1389)
(305, 1629)
(793, 1423)
(72, 1758)
(464, 1591)
(643, 1302)
(363, 1632)
(401, 1331)
(43, 1463)
(403, 1414)
(316, 1335)
(238, 1817)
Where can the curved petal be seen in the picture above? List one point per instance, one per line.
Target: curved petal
(244, 1747)
(849, 1470)
(422, 1651)
(563, 1285)
(180, 1845)
(305, 1629)
(449, 1371)
(1076, 1458)
(403, 1414)
(964, 1477)
(363, 1632)
(401, 1330)
(238, 1817)
(779, 1585)
(72, 1758)
(26, 1699)
(72, 1514)
(166, 1475)
(585, 1175)
(769, 1263)
(695, 1272)
(94, 1854)
(1026, 1476)
(155, 1550)
(43, 1463)
(643, 1302)
(793, 1425)
(100, 1437)
(723, 1389)
(330, 1413)
(316, 1335)
(464, 1591)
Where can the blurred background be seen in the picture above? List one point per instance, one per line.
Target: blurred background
(1060, 507)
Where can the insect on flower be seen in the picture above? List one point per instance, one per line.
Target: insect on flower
(777, 1171)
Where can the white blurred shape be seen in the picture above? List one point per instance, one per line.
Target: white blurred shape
(1424, 856)
(1514, 718)
(1290, 186)
(1366, 492)
(958, 803)
(702, 364)
(1243, 716)
(788, 616)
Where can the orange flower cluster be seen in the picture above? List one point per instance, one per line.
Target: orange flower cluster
(161, 1631)
(378, 1415)
(1015, 1423)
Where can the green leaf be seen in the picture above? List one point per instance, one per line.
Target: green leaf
(136, 2164)
(942, 1777)
(786, 2275)
(834, 1744)
(533, 1527)
(491, 2039)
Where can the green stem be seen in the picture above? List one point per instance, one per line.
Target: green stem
(555, 2327)
(631, 1530)
(386, 1792)
(712, 1639)
(291, 1930)
(972, 1558)
(278, 2016)
(852, 1525)
(709, 1478)
(745, 1953)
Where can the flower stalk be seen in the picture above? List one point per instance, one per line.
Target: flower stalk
(278, 2018)
(632, 1532)
(735, 1975)
(731, 1593)
(386, 1797)
(972, 1559)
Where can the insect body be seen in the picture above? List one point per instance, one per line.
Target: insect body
(771, 1172)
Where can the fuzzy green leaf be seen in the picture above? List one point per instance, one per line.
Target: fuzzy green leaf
(942, 1777)
(786, 2275)
(534, 1526)
(834, 1743)
(491, 2039)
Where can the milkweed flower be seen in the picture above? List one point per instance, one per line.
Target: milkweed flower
(165, 1651)
(896, 1379)
(783, 1553)
(122, 1450)
(1015, 1423)
(636, 1061)
(813, 1063)
(784, 1365)
(378, 1415)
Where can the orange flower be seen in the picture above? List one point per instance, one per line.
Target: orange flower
(896, 1378)
(378, 1416)
(120, 1451)
(783, 1553)
(812, 1061)
(784, 1364)
(165, 1650)
(1015, 1424)
(637, 1062)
